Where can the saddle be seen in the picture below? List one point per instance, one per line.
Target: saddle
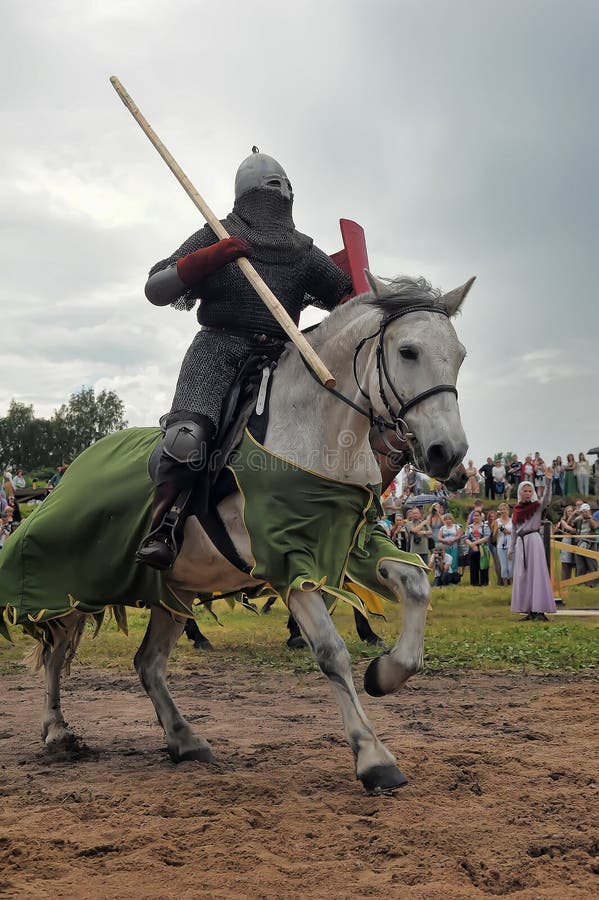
(246, 405)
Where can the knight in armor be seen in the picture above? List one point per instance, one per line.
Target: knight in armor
(234, 324)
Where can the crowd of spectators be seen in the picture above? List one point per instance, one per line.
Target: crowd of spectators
(10, 513)
(499, 477)
(35, 492)
(446, 546)
(416, 517)
(579, 527)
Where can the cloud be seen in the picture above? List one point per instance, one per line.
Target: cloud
(541, 366)
(460, 135)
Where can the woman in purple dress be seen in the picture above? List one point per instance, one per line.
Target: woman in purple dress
(532, 593)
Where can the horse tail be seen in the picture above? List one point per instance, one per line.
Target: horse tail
(44, 640)
(34, 658)
(49, 635)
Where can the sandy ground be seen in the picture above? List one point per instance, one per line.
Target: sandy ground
(502, 797)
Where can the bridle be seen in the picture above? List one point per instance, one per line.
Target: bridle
(397, 421)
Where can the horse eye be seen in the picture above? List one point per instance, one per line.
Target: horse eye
(408, 352)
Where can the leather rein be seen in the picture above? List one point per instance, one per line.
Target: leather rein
(397, 421)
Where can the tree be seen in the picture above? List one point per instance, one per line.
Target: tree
(20, 436)
(87, 418)
(503, 457)
(29, 442)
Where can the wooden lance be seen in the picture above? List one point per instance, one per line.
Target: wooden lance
(260, 286)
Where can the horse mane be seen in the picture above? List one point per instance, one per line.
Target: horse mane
(400, 292)
(404, 291)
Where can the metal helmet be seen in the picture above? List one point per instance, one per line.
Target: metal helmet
(264, 172)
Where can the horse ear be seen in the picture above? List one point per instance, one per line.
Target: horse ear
(378, 287)
(454, 299)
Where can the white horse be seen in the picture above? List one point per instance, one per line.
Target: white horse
(396, 357)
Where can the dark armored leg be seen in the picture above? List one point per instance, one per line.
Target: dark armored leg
(193, 633)
(184, 459)
(295, 640)
(365, 632)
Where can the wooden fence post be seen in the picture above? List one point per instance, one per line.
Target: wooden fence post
(546, 525)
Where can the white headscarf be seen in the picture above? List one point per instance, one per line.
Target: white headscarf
(530, 484)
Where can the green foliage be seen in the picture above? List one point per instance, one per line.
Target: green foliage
(24, 440)
(85, 419)
(507, 456)
(34, 443)
(40, 474)
(26, 509)
(460, 506)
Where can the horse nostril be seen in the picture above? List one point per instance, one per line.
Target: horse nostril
(438, 457)
(442, 458)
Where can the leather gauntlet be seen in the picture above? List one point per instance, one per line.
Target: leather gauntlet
(197, 265)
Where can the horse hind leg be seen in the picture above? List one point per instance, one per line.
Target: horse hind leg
(62, 639)
(150, 663)
(375, 764)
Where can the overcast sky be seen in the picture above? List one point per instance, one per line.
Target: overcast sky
(462, 135)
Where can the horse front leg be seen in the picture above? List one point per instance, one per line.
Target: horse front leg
(150, 663)
(375, 764)
(62, 639)
(390, 671)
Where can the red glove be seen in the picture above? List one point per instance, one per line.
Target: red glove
(200, 263)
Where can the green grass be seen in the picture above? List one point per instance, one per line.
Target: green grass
(467, 628)
(483, 634)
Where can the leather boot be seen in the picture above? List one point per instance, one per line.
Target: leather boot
(183, 462)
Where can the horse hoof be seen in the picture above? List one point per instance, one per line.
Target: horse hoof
(371, 680)
(203, 645)
(66, 743)
(383, 779)
(296, 643)
(201, 754)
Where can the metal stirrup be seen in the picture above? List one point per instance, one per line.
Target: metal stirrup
(165, 530)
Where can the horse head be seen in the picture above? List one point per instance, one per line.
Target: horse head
(418, 357)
